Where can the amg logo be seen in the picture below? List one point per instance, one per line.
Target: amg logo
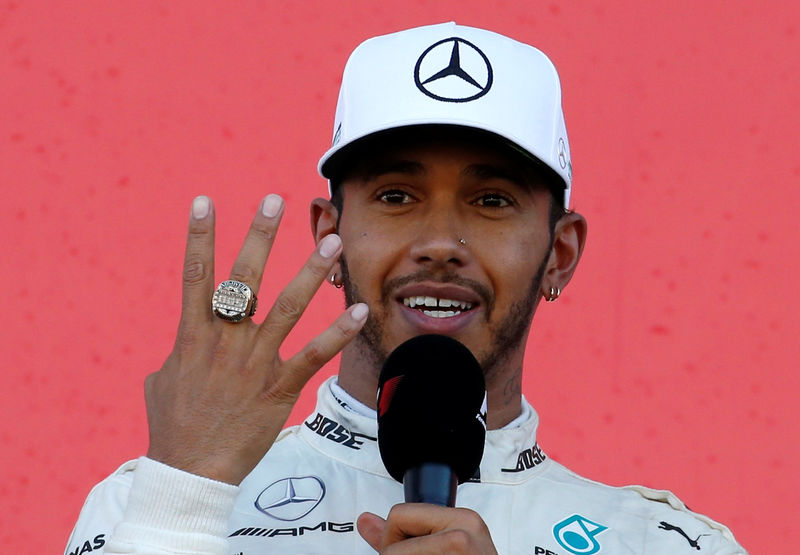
(528, 459)
(88, 546)
(339, 527)
(334, 431)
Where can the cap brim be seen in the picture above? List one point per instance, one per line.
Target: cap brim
(335, 163)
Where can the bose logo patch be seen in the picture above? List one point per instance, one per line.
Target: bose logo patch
(337, 433)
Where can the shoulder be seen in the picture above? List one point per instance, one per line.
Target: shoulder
(660, 522)
(113, 490)
(679, 526)
(103, 509)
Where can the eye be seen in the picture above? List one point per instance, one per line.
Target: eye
(394, 196)
(494, 200)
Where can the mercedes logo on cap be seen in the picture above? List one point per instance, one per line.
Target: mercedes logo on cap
(453, 70)
(562, 153)
(291, 498)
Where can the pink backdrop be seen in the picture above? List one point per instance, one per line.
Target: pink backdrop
(669, 360)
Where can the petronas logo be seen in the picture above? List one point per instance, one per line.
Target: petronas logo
(577, 534)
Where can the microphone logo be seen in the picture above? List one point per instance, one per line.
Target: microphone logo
(481, 416)
(386, 393)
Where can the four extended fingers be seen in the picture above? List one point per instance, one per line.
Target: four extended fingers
(249, 268)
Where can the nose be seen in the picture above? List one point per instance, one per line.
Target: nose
(439, 242)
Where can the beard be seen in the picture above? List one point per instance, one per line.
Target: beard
(506, 336)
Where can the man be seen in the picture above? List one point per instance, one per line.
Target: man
(450, 180)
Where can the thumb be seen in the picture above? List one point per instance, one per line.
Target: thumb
(371, 527)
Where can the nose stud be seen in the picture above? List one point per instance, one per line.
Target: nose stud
(462, 241)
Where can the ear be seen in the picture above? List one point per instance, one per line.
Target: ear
(569, 238)
(324, 218)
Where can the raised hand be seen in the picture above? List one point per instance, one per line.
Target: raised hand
(222, 396)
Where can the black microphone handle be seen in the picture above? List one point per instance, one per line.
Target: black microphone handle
(430, 482)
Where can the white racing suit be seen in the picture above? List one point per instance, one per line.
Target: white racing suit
(306, 493)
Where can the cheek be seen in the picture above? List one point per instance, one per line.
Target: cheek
(367, 256)
(367, 237)
(512, 264)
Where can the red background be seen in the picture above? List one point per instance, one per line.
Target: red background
(669, 359)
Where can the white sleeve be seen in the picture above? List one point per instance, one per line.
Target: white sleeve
(149, 507)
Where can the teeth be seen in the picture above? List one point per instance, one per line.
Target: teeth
(431, 302)
(440, 313)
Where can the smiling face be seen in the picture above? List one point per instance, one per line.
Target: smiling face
(406, 206)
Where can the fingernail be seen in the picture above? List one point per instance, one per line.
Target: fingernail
(200, 207)
(359, 312)
(271, 205)
(329, 245)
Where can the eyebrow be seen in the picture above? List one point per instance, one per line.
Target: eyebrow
(383, 167)
(509, 173)
(494, 171)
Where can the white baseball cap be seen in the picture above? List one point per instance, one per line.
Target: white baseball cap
(454, 75)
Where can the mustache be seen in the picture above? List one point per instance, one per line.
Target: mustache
(431, 275)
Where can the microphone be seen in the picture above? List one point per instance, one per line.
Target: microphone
(431, 417)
